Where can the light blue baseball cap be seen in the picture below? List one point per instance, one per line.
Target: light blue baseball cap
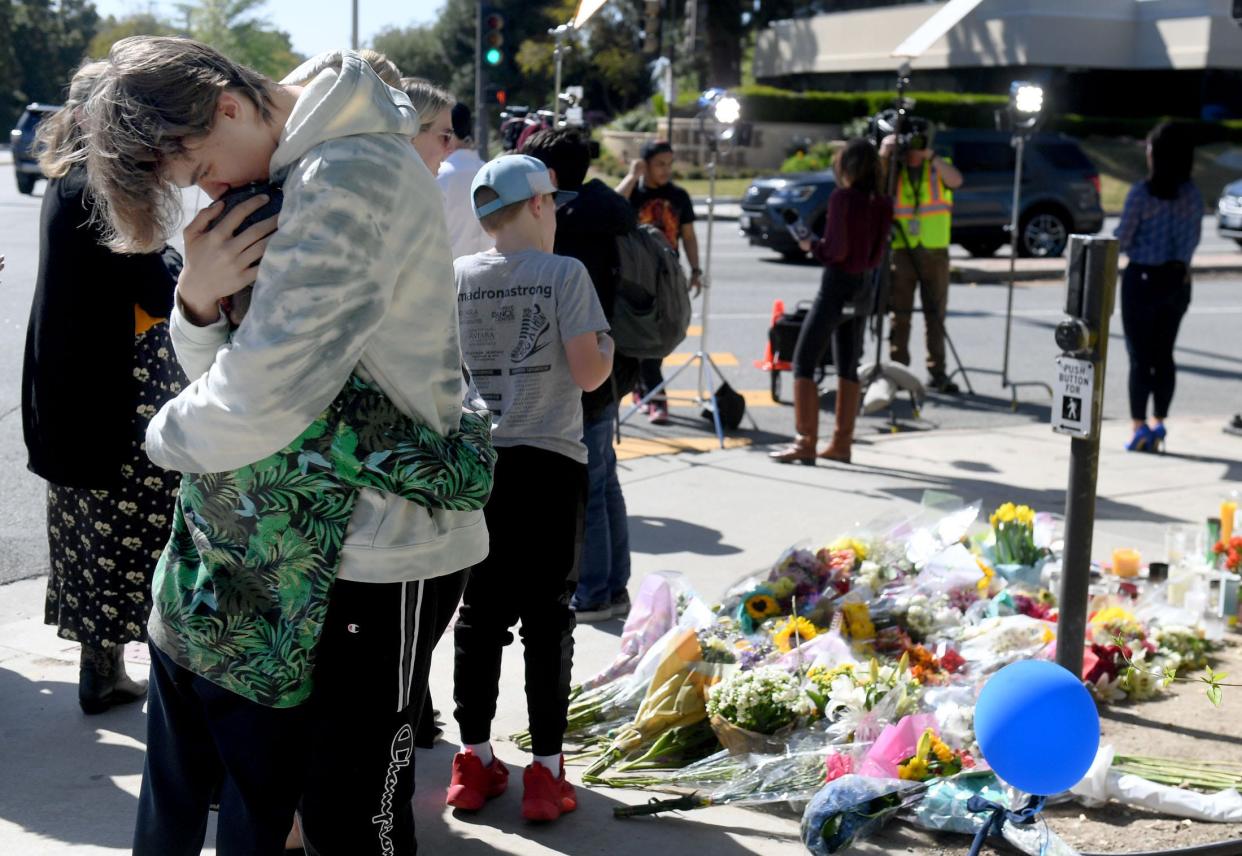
(515, 178)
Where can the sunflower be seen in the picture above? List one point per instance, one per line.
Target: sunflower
(794, 632)
(914, 770)
(760, 606)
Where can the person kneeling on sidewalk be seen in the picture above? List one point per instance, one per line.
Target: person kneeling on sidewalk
(534, 338)
(858, 220)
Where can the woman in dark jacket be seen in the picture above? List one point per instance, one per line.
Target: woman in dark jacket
(857, 229)
(98, 366)
(1159, 230)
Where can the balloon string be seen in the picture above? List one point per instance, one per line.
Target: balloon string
(996, 823)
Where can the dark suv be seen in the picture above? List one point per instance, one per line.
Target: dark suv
(22, 138)
(1060, 196)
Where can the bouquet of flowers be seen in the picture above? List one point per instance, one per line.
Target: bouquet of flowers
(928, 669)
(927, 616)
(748, 706)
(674, 699)
(1186, 649)
(850, 808)
(1231, 552)
(933, 759)
(1013, 527)
(721, 641)
(848, 691)
(792, 632)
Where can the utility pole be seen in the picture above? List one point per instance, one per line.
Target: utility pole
(480, 107)
(354, 39)
(670, 94)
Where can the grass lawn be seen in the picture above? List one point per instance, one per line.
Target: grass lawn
(1124, 162)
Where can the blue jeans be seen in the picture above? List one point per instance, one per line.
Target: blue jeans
(605, 567)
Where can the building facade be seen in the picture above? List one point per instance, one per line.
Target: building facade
(1096, 57)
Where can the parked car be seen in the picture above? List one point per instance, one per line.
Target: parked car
(1060, 196)
(22, 139)
(1229, 212)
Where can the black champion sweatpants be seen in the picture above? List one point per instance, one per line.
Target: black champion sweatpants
(535, 522)
(347, 755)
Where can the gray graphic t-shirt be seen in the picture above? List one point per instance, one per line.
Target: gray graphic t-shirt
(517, 311)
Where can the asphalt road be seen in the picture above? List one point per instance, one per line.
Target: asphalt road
(746, 280)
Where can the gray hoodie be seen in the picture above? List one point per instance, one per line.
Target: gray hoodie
(358, 278)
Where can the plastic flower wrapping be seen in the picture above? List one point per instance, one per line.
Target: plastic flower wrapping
(844, 676)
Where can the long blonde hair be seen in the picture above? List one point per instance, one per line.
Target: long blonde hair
(59, 138)
(428, 99)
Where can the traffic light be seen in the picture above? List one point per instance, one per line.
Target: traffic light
(493, 38)
(651, 26)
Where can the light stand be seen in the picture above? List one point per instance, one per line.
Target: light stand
(724, 111)
(882, 382)
(1025, 104)
(560, 35)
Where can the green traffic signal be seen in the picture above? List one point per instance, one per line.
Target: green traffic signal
(493, 56)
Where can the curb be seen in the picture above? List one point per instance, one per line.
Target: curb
(964, 274)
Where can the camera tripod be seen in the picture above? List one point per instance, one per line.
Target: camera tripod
(895, 376)
(704, 395)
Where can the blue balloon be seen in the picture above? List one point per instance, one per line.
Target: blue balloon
(1037, 727)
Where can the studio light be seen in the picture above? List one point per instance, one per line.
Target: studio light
(1026, 101)
(728, 110)
(1026, 104)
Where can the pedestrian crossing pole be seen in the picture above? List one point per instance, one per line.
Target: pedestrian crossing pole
(1077, 409)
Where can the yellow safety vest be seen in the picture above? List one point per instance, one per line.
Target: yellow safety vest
(926, 220)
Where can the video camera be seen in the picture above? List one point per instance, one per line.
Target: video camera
(913, 133)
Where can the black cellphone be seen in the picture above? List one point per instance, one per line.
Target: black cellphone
(235, 307)
(237, 195)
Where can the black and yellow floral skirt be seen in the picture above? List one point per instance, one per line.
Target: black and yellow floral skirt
(104, 544)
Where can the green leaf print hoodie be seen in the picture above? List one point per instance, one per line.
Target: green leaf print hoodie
(358, 280)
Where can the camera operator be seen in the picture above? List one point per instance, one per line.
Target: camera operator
(922, 218)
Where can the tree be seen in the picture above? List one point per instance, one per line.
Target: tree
(605, 58)
(48, 41)
(113, 29)
(8, 66)
(442, 52)
(233, 28)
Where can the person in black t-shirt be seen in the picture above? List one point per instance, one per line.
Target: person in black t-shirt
(658, 201)
(587, 229)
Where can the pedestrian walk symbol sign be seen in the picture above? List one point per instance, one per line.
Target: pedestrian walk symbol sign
(1072, 407)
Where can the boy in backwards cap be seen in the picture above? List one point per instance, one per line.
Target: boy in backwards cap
(534, 338)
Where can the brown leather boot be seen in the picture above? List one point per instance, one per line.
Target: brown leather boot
(806, 423)
(848, 393)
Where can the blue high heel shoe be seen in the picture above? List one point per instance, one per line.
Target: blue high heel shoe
(1141, 441)
(1157, 439)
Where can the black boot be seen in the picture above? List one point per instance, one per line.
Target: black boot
(102, 682)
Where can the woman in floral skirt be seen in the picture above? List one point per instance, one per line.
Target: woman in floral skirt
(98, 366)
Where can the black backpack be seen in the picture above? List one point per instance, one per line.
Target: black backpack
(652, 309)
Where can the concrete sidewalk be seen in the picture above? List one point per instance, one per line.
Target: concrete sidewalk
(987, 271)
(69, 782)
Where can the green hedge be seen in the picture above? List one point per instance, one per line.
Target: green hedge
(1204, 133)
(947, 109)
(769, 104)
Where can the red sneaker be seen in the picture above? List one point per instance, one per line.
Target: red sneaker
(473, 784)
(546, 798)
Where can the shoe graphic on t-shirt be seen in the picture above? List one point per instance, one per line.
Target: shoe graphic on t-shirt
(534, 325)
